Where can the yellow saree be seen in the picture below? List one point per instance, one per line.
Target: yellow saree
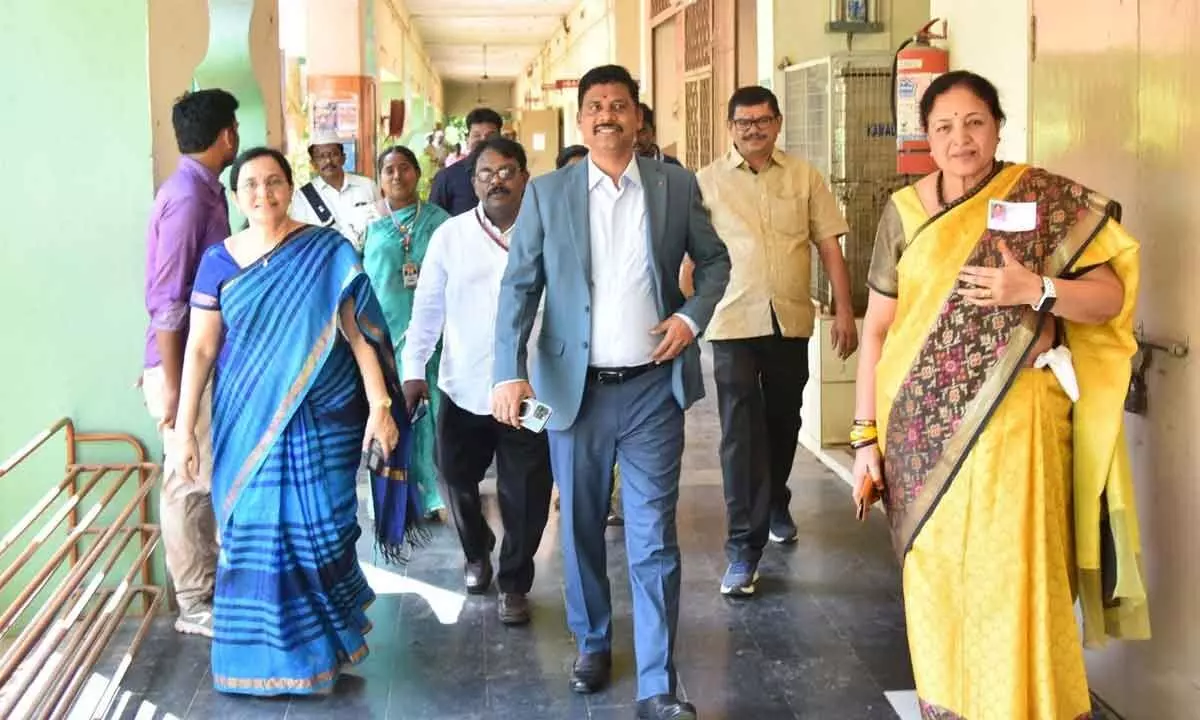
(1005, 502)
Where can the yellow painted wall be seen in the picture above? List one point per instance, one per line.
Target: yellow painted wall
(463, 97)
(600, 32)
(795, 30)
(998, 49)
(401, 52)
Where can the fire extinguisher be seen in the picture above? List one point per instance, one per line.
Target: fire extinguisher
(916, 64)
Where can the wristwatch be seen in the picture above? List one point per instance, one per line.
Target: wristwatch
(1049, 296)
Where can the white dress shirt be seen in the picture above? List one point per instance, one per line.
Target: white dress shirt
(457, 298)
(354, 207)
(624, 310)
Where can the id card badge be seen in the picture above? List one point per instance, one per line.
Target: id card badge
(1012, 216)
(411, 272)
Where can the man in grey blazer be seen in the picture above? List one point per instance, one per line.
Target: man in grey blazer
(618, 364)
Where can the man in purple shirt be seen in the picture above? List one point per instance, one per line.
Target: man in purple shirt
(190, 215)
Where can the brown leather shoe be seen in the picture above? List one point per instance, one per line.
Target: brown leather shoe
(514, 608)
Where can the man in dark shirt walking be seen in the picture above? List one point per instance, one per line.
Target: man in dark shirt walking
(454, 188)
(190, 215)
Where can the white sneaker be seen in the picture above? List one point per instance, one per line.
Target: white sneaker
(197, 621)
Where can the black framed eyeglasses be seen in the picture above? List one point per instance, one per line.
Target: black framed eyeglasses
(760, 123)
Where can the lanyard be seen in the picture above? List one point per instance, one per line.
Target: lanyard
(487, 229)
(404, 230)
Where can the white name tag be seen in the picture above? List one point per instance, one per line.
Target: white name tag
(1012, 217)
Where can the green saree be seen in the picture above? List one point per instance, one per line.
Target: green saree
(390, 243)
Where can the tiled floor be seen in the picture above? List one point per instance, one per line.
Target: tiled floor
(823, 640)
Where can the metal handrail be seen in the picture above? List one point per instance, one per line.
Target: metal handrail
(70, 630)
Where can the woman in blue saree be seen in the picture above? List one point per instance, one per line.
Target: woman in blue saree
(393, 252)
(304, 383)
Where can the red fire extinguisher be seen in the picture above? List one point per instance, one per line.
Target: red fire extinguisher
(916, 65)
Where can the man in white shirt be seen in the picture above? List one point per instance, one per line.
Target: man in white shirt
(335, 198)
(604, 241)
(456, 300)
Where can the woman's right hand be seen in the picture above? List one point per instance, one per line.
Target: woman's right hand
(867, 461)
(185, 458)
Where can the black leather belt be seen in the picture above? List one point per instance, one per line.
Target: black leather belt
(616, 376)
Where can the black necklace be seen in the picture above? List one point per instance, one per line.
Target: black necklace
(941, 194)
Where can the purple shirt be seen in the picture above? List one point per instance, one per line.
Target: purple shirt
(190, 215)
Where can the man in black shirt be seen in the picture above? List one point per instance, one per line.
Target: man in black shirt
(453, 189)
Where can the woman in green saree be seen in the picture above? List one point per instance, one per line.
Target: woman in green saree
(394, 250)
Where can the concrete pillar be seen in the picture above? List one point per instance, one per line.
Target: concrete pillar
(342, 87)
(230, 44)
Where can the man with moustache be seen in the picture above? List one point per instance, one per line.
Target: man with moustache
(335, 198)
(456, 301)
(617, 361)
(454, 188)
(647, 139)
(769, 208)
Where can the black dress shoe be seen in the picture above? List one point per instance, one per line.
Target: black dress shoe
(590, 672)
(514, 608)
(478, 576)
(665, 707)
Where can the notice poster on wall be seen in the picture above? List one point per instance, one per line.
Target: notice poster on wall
(335, 116)
(539, 142)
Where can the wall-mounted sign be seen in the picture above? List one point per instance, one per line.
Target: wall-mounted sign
(335, 116)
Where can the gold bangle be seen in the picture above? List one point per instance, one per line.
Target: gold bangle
(385, 403)
(864, 423)
(859, 434)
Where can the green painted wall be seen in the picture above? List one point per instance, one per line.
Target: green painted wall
(78, 185)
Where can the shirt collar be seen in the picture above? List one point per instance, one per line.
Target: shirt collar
(319, 182)
(196, 169)
(735, 159)
(631, 175)
(488, 222)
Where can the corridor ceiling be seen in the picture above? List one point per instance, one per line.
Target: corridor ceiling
(456, 31)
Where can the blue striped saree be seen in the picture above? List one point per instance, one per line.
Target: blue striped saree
(289, 414)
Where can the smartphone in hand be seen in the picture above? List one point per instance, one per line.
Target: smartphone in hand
(535, 414)
(373, 458)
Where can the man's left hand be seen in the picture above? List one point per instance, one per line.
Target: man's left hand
(844, 334)
(677, 335)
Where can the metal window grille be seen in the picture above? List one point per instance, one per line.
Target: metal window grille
(838, 118)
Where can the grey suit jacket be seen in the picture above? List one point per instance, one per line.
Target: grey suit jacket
(551, 253)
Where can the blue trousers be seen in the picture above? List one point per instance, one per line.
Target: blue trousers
(639, 425)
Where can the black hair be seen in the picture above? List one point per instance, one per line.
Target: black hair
(482, 116)
(500, 145)
(979, 86)
(750, 96)
(647, 116)
(255, 153)
(607, 75)
(409, 155)
(569, 153)
(199, 117)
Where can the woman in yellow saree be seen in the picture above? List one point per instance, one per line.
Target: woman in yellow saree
(994, 364)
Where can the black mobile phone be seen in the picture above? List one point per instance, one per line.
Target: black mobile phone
(373, 458)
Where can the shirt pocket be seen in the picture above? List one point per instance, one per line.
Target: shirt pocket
(789, 214)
